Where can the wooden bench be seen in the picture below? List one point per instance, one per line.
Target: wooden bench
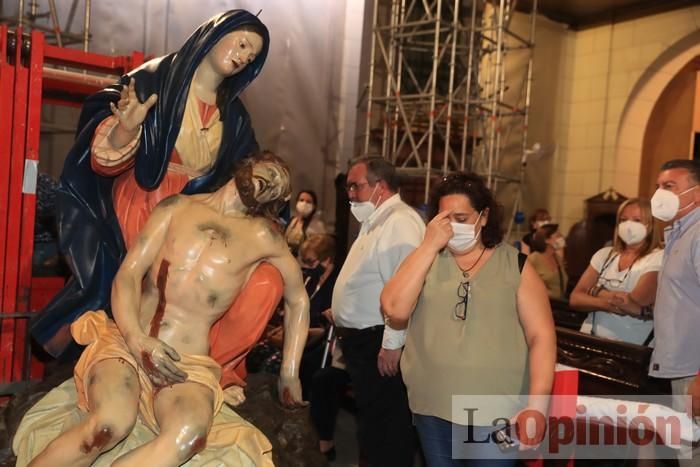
(607, 366)
(566, 317)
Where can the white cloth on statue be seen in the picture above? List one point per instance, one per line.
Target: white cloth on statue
(57, 412)
(603, 409)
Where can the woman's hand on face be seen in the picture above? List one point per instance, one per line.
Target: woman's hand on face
(438, 232)
(130, 112)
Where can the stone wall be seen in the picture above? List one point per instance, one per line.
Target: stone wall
(610, 77)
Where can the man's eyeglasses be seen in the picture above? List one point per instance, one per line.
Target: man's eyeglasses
(353, 187)
(464, 292)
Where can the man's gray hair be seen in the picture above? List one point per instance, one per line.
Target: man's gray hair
(378, 169)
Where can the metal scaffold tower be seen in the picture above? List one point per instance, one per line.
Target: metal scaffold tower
(31, 16)
(449, 88)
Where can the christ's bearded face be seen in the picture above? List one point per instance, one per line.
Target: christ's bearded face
(263, 183)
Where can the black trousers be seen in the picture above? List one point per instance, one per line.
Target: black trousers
(385, 429)
(326, 390)
(310, 365)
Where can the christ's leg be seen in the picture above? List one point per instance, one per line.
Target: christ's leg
(113, 395)
(184, 413)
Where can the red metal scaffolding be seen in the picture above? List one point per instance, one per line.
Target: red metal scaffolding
(33, 73)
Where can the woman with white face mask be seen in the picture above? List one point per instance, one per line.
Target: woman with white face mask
(305, 223)
(619, 285)
(547, 258)
(480, 322)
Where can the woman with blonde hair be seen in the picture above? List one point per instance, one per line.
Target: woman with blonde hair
(619, 285)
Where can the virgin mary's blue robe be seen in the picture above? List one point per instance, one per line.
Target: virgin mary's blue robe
(88, 230)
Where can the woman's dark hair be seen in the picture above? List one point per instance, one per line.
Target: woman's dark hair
(541, 235)
(307, 220)
(480, 197)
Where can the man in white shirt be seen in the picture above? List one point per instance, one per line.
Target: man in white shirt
(390, 231)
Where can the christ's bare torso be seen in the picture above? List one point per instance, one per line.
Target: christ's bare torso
(199, 271)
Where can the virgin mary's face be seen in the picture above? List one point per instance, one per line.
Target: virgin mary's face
(235, 51)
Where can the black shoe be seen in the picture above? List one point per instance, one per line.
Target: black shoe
(330, 454)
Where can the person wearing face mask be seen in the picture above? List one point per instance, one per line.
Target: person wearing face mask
(619, 285)
(547, 252)
(304, 223)
(538, 219)
(390, 230)
(480, 323)
(317, 257)
(676, 353)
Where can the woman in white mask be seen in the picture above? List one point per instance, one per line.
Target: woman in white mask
(619, 285)
(547, 258)
(305, 223)
(480, 323)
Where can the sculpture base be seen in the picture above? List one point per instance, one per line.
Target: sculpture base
(290, 432)
(293, 437)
